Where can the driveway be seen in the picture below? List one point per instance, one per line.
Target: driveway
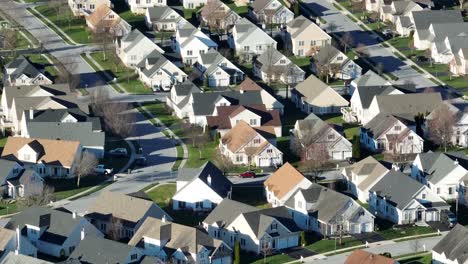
(377, 52)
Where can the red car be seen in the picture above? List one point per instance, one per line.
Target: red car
(247, 174)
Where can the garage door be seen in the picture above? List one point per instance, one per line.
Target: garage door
(293, 241)
(282, 243)
(264, 162)
(337, 155)
(354, 229)
(366, 227)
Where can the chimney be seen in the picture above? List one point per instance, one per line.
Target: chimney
(18, 237)
(455, 162)
(163, 219)
(82, 233)
(208, 179)
(74, 215)
(31, 114)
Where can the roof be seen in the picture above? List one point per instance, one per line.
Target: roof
(134, 38)
(302, 25)
(122, 206)
(22, 65)
(12, 258)
(360, 256)
(283, 180)
(454, 245)
(186, 88)
(380, 124)
(241, 134)
(367, 93)
(437, 165)
(397, 188)
(57, 115)
(326, 54)
(259, 5)
(227, 211)
(59, 225)
(204, 103)
(12, 92)
(248, 85)
(370, 78)
(52, 152)
(408, 103)
(224, 113)
(98, 15)
(188, 239)
(245, 29)
(219, 183)
(319, 94)
(94, 249)
(161, 13)
(5, 237)
(423, 19)
(369, 167)
(6, 166)
(313, 128)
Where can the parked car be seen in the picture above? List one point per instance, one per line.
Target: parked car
(101, 169)
(421, 59)
(247, 174)
(370, 20)
(448, 218)
(140, 161)
(119, 152)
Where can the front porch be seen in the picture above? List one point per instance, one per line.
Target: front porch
(349, 115)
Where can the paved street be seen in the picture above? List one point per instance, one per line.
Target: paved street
(377, 52)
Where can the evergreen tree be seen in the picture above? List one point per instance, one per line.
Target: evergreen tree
(356, 147)
(303, 239)
(237, 259)
(296, 8)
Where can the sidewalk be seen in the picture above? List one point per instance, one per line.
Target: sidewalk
(55, 28)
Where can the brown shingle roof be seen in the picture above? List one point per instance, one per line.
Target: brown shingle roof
(220, 121)
(97, 17)
(52, 152)
(363, 257)
(248, 85)
(283, 180)
(5, 237)
(238, 136)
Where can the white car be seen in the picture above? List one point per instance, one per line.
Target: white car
(101, 169)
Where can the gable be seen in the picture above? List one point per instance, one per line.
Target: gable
(196, 190)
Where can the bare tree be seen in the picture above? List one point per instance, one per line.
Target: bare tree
(358, 5)
(44, 197)
(268, 19)
(10, 39)
(268, 65)
(292, 76)
(325, 66)
(266, 249)
(114, 229)
(462, 3)
(415, 245)
(200, 142)
(347, 41)
(315, 159)
(119, 118)
(85, 166)
(213, 15)
(222, 162)
(440, 126)
(103, 38)
(68, 73)
(56, 5)
(250, 152)
(331, 27)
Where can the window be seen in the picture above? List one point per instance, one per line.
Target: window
(92, 6)
(410, 137)
(218, 73)
(224, 64)
(189, 53)
(160, 1)
(246, 48)
(257, 141)
(133, 58)
(450, 190)
(269, 151)
(103, 227)
(148, 1)
(300, 52)
(397, 128)
(274, 226)
(242, 242)
(339, 58)
(26, 157)
(198, 204)
(438, 190)
(239, 158)
(137, 2)
(283, 61)
(312, 43)
(331, 137)
(253, 122)
(33, 231)
(181, 204)
(202, 52)
(301, 43)
(111, 16)
(259, 47)
(424, 196)
(134, 256)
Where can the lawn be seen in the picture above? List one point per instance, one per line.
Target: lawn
(159, 110)
(126, 77)
(390, 233)
(64, 188)
(258, 259)
(240, 10)
(254, 196)
(42, 63)
(425, 259)
(180, 156)
(74, 27)
(327, 245)
(8, 208)
(162, 194)
(3, 141)
(102, 73)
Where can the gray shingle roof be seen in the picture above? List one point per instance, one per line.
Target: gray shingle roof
(423, 19)
(204, 103)
(227, 211)
(12, 92)
(397, 188)
(12, 258)
(160, 13)
(6, 166)
(370, 78)
(408, 103)
(380, 124)
(57, 115)
(367, 93)
(22, 66)
(186, 88)
(94, 249)
(454, 245)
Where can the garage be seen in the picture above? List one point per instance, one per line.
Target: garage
(282, 243)
(293, 241)
(354, 229)
(366, 227)
(264, 162)
(218, 82)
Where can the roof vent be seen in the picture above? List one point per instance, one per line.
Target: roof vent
(455, 162)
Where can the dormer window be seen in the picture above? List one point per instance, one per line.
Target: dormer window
(26, 156)
(283, 61)
(397, 128)
(274, 226)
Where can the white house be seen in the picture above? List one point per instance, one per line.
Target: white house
(179, 97)
(452, 247)
(218, 16)
(83, 7)
(441, 172)
(134, 47)
(362, 176)
(402, 200)
(273, 66)
(306, 37)
(16, 243)
(140, 6)
(53, 232)
(397, 9)
(314, 96)
(247, 39)
(282, 184)
(162, 18)
(460, 115)
(49, 158)
(159, 73)
(219, 70)
(391, 134)
(200, 189)
(193, 4)
(190, 43)
(244, 145)
(254, 228)
(341, 67)
(324, 210)
(21, 71)
(270, 12)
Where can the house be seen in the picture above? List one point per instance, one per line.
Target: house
(255, 115)
(441, 172)
(18, 182)
(49, 158)
(245, 145)
(325, 211)
(460, 128)
(270, 102)
(283, 183)
(362, 176)
(134, 47)
(403, 105)
(193, 4)
(340, 66)
(248, 40)
(113, 211)
(248, 85)
(314, 96)
(65, 124)
(94, 249)
(190, 43)
(360, 256)
(103, 19)
(158, 72)
(391, 134)
(452, 247)
(84, 7)
(396, 9)
(273, 66)
(270, 12)
(424, 19)
(180, 95)
(16, 243)
(21, 71)
(12, 258)
(162, 18)
(370, 78)
(447, 39)
(313, 131)
(140, 7)
(459, 62)
(217, 15)
(402, 200)
(179, 243)
(219, 70)
(305, 37)
(363, 95)
(376, 5)
(200, 189)
(53, 232)
(255, 229)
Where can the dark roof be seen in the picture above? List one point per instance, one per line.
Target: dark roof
(397, 188)
(408, 103)
(423, 19)
(94, 249)
(57, 115)
(227, 211)
(454, 245)
(22, 66)
(58, 224)
(222, 121)
(219, 183)
(6, 166)
(381, 123)
(186, 88)
(367, 93)
(204, 103)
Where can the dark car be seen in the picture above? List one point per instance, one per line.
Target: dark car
(422, 59)
(247, 174)
(448, 218)
(370, 20)
(141, 161)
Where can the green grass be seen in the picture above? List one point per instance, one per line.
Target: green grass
(136, 21)
(42, 62)
(275, 259)
(97, 189)
(254, 196)
(240, 10)
(194, 160)
(8, 208)
(390, 233)
(98, 71)
(180, 157)
(325, 245)
(425, 259)
(162, 195)
(126, 77)
(75, 27)
(3, 142)
(159, 110)
(65, 188)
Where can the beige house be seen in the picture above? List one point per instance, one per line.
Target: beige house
(305, 37)
(398, 9)
(459, 62)
(103, 19)
(218, 15)
(84, 7)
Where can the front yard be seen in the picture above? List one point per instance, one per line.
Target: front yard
(64, 188)
(327, 245)
(42, 63)
(252, 195)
